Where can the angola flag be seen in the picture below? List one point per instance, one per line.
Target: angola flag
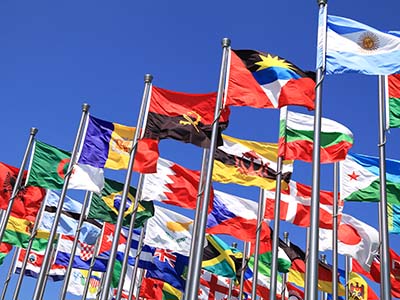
(264, 80)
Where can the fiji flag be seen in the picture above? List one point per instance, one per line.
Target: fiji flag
(353, 47)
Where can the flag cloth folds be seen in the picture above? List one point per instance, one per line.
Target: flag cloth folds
(221, 259)
(106, 144)
(296, 136)
(394, 100)
(78, 280)
(18, 232)
(50, 164)
(249, 163)
(394, 218)
(359, 288)
(157, 289)
(264, 80)
(181, 116)
(355, 239)
(172, 184)
(105, 207)
(359, 179)
(353, 47)
(4, 250)
(296, 206)
(28, 199)
(169, 230)
(214, 287)
(235, 216)
(284, 262)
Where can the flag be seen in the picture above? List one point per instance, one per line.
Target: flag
(394, 100)
(156, 289)
(50, 164)
(249, 163)
(353, 47)
(18, 232)
(172, 184)
(284, 261)
(181, 116)
(295, 293)
(264, 80)
(295, 205)
(235, 216)
(296, 136)
(214, 287)
(127, 280)
(359, 288)
(359, 179)
(105, 207)
(77, 283)
(375, 271)
(28, 198)
(355, 239)
(4, 250)
(169, 230)
(394, 218)
(220, 259)
(106, 144)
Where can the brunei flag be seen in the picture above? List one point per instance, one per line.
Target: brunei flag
(249, 163)
(264, 80)
(181, 116)
(105, 207)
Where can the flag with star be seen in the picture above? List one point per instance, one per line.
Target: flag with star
(264, 80)
(359, 179)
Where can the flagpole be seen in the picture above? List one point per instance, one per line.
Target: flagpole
(137, 258)
(10, 271)
(41, 282)
(231, 282)
(198, 253)
(275, 234)
(124, 266)
(383, 226)
(18, 181)
(312, 263)
(347, 267)
(195, 233)
(284, 275)
(110, 266)
(82, 217)
(141, 275)
(335, 262)
(89, 274)
(323, 294)
(246, 247)
(28, 249)
(260, 220)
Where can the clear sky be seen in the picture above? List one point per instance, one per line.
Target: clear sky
(56, 55)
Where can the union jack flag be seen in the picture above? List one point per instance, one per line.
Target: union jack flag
(165, 255)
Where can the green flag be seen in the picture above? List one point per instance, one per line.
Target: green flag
(106, 206)
(48, 166)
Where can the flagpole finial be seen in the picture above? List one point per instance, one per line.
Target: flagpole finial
(226, 42)
(324, 2)
(148, 78)
(85, 107)
(286, 235)
(34, 130)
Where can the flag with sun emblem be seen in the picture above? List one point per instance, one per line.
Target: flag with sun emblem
(264, 80)
(105, 207)
(353, 47)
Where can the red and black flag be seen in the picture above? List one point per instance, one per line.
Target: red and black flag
(180, 116)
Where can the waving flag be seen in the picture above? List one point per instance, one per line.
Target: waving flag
(359, 288)
(296, 206)
(172, 184)
(353, 47)
(169, 230)
(78, 280)
(296, 138)
(394, 218)
(249, 163)
(4, 250)
(359, 179)
(355, 239)
(158, 289)
(214, 287)
(394, 100)
(264, 80)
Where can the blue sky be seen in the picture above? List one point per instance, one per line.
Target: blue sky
(56, 56)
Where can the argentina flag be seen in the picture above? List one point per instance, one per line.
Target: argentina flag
(353, 47)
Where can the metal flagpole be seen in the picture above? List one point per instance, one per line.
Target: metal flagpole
(10, 271)
(323, 294)
(347, 267)
(82, 217)
(383, 226)
(110, 266)
(140, 280)
(137, 258)
(92, 261)
(195, 233)
(284, 275)
(335, 262)
(28, 249)
(246, 248)
(41, 282)
(275, 234)
(312, 263)
(18, 181)
(198, 253)
(124, 266)
(260, 220)
(231, 281)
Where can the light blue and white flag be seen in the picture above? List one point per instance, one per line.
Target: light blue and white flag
(353, 47)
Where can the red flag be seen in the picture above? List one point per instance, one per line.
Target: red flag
(146, 156)
(151, 289)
